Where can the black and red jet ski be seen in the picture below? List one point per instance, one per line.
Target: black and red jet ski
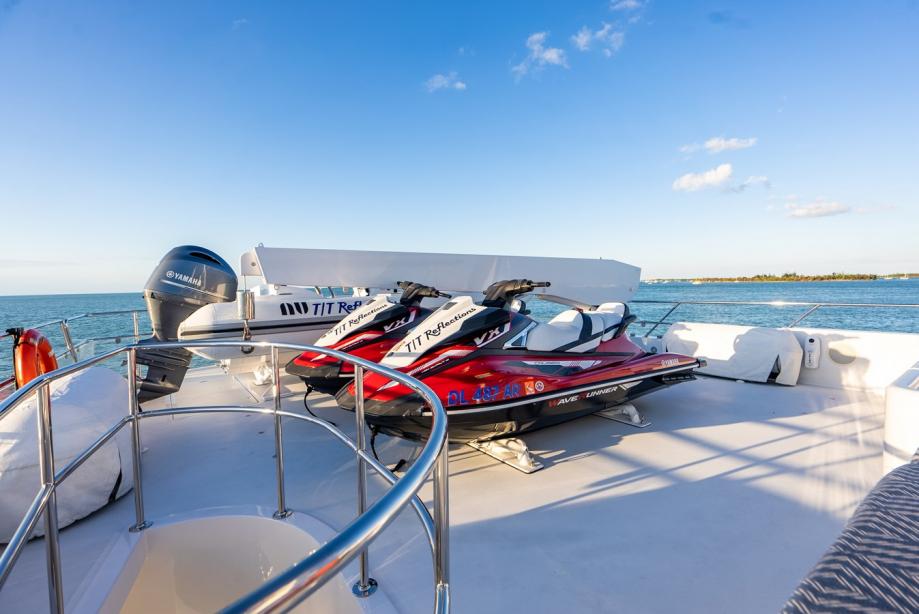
(500, 373)
(368, 332)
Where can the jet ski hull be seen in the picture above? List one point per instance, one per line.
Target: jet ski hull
(408, 418)
(325, 374)
(327, 379)
(499, 373)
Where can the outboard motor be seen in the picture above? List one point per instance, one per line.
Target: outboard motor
(186, 279)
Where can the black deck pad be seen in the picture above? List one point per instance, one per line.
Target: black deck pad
(874, 564)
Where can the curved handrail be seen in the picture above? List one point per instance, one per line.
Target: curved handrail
(423, 514)
(301, 579)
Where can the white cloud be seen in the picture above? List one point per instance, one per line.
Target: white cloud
(582, 39)
(625, 5)
(691, 182)
(719, 143)
(818, 208)
(444, 82)
(238, 23)
(539, 55)
(609, 40)
(751, 181)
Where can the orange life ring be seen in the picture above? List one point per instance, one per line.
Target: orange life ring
(32, 356)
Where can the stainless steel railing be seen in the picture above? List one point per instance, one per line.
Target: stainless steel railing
(812, 307)
(303, 578)
(66, 333)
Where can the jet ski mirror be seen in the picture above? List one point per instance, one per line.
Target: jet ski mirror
(520, 307)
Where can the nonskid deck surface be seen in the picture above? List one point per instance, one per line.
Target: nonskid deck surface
(721, 505)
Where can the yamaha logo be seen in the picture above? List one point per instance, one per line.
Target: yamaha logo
(188, 279)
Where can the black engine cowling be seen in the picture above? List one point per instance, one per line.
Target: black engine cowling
(187, 278)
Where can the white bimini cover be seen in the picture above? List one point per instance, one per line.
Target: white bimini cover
(83, 407)
(739, 352)
(591, 280)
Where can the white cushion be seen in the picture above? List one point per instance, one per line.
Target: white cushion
(612, 314)
(565, 329)
(614, 308)
(560, 330)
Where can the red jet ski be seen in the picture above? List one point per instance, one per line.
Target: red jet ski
(500, 373)
(368, 332)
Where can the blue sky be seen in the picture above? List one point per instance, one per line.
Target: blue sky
(705, 138)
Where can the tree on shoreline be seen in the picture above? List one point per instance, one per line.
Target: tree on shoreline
(769, 277)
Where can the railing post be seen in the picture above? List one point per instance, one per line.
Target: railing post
(804, 315)
(365, 586)
(140, 523)
(282, 511)
(136, 323)
(661, 321)
(442, 525)
(46, 468)
(68, 341)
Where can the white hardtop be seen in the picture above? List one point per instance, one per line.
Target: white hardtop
(592, 281)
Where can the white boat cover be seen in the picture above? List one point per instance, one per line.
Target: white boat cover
(739, 352)
(592, 281)
(83, 407)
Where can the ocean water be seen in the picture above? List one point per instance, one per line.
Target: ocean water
(31, 310)
(26, 311)
(886, 292)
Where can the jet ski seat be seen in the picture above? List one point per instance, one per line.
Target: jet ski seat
(579, 331)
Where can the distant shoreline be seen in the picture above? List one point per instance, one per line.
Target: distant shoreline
(787, 277)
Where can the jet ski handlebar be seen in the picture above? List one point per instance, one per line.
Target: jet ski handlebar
(500, 293)
(412, 292)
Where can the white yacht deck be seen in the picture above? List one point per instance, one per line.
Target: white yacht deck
(721, 505)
